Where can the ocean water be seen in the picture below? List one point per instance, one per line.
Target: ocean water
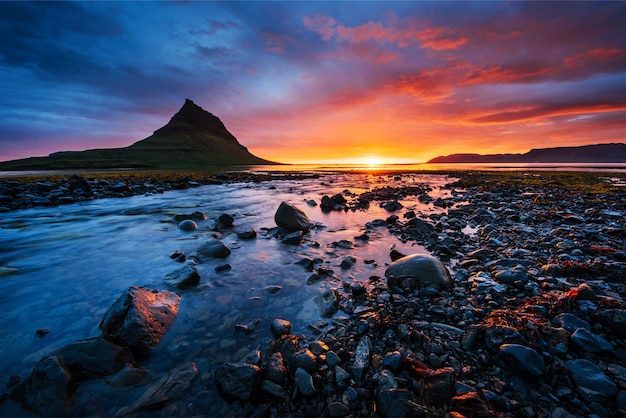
(72, 262)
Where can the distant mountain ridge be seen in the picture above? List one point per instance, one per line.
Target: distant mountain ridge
(599, 153)
(192, 139)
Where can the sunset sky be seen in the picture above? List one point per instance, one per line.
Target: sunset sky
(304, 82)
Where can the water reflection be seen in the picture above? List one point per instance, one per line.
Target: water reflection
(72, 262)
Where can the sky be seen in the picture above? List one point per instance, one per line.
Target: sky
(307, 82)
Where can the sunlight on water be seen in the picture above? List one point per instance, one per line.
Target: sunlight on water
(72, 262)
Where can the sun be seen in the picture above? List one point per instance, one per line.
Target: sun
(372, 161)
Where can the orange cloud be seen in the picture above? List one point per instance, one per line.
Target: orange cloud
(440, 39)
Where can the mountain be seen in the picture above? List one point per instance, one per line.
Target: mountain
(600, 153)
(193, 139)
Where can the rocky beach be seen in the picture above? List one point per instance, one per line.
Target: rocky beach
(329, 294)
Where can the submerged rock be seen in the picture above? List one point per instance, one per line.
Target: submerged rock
(418, 271)
(327, 302)
(93, 357)
(140, 318)
(183, 277)
(214, 249)
(187, 225)
(48, 390)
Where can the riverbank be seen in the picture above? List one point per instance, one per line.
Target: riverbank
(531, 324)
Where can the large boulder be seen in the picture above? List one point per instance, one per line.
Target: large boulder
(292, 218)
(48, 390)
(140, 318)
(418, 271)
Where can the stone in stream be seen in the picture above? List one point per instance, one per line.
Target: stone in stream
(327, 302)
(48, 390)
(183, 277)
(238, 380)
(223, 221)
(247, 234)
(169, 387)
(280, 327)
(187, 225)
(140, 318)
(570, 322)
(293, 238)
(214, 249)
(291, 218)
(94, 357)
(195, 216)
(418, 271)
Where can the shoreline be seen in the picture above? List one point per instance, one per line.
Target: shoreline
(535, 314)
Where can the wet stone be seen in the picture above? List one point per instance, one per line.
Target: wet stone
(184, 277)
(393, 403)
(521, 360)
(570, 322)
(590, 342)
(362, 358)
(214, 249)
(187, 225)
(276, 370)
(595, 384)
(280, 327)
(291, 218)
(293, 238)
(338, 409)
(417, 271)
(238, 380)
(327, 302)
(304, 382)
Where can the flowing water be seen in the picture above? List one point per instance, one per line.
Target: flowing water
(68, 264)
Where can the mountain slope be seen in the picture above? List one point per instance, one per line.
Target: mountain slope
(192, 139)
(599, 153)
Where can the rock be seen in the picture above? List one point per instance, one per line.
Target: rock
(439, 386)
(128, 376)
(184, 277)
(392, 206)
(361, 359)
(187, 225)
(341, 374)
(275, 391)
(338, 409)
(318, 347)
(214, 249)
(327, 302)
(195, 216)
(238, 380)
(521, 360)
(417, 271)
(223, 221)
(598, 387)
(590, 342)
(247, 234)
(420, 228)
(169, 387)
(276, 370)
(48, 390)
(119, 187)
(327, 203)
(386, 380)
(79, 183)
(93, 357)
(280, 327)
(393, 403)
(512, 276)
(140, 318)
(293, 238)
(348, 262)
(332, 359)
(304, 359)
(614, 319)
(392, 360)
(291, 218)
(570, 322)
(304, 382)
